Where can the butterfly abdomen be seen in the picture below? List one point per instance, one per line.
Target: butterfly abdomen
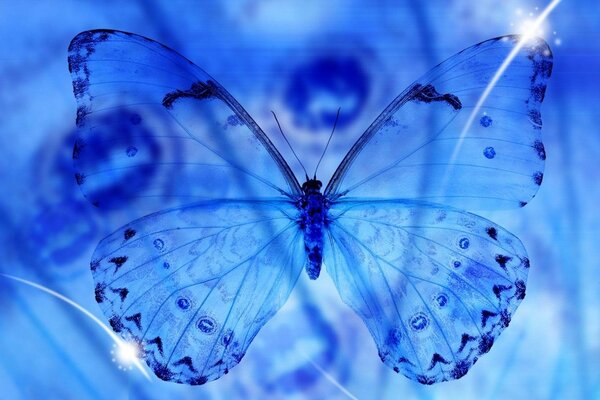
(312, 219)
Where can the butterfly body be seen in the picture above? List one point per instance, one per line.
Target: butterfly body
(222, 246)
(313, 219)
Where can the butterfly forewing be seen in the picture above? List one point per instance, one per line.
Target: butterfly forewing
(190, 139)
(423, 147)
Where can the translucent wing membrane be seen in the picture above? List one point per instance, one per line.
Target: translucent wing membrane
(156, 129)
(416, 149)
(435, 286)
(194, 285)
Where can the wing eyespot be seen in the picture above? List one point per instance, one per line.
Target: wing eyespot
(464, 243)
(207, 325)
(419, 322)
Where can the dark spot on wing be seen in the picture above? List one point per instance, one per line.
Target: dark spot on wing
(542, 65)
(425, 380)
(219, 362)
(437, 359)
(505, 318)
(99, 292)
(539, 148)
(520, 289)
(158, 342)
(183, 303)
(538, 177)
(79, 178)
(419, 321)
(465, 338)
(227, 337)
(535, 116)
(187, 361)
(237, 356)
(200, 380)
(393, 337)
(198, 90)
(396, 369)
(502, 260)
(525, 262)
(485, 314)
(460, 370)
(492, 232)
(122, 292)
(464, 243)
(234, 120)
(498, 289)
(485, 121)
(116, 324)
(428, 94)
(485, 343)
(82, 112)
(80, 86)
(75, 61)
(163, 372)
(86, 40)
(77, 147)
(118, 261)
(404, 360)
(206, 324)
(129, 233)
(94, 264)
(538, 92)
(522, 203)
(136, 319)
(489, 152)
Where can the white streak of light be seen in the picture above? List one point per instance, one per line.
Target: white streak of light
(526, 36)
(331, 378)
(119, 342)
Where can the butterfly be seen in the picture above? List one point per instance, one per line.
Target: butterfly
(230, 228)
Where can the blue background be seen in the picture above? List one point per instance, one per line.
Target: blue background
(302, 59)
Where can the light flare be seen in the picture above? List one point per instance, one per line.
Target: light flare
(122, 346)
(528, 34)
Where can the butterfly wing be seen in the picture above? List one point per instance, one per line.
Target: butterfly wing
(193, 285)
(202, 144)
(424, 146)
(434, 285)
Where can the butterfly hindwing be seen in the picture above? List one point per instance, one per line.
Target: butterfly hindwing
(190, 139)
(416, 149)
(193, 285)
(435, 286)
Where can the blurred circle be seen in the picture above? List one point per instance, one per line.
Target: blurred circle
(317, 88)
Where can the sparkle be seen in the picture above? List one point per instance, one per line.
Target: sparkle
(525, 38)
(127, 353)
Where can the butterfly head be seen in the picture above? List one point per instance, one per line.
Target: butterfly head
(312, 186)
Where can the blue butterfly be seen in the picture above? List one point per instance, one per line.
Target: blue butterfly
(230, 228)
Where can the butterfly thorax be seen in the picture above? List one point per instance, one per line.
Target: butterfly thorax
(312, 218)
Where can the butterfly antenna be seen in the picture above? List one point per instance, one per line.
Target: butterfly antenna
(328, 140)
(288, 142)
